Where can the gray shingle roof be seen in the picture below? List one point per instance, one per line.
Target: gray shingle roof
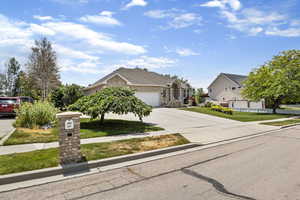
(238, 79)
(139, 76)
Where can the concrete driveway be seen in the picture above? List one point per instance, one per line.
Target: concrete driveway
(199, 127)
(5, 126)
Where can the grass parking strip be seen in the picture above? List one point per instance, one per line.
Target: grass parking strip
(283, 123)
(238, 116)
(20, 162)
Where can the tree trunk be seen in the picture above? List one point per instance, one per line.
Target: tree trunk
(274, 110)
(102, 118)
(276, 105)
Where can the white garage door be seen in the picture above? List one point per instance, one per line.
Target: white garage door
(150, 98)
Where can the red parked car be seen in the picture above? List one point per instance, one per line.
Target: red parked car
(9, 104)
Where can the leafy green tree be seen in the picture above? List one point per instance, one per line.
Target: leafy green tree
(115, 100)
(42, 67)
(64, 96)
(199, 95)
(276, 81)
(71, 94)
(2, 84)
(26, 86)
(12, 70)
(56, 97)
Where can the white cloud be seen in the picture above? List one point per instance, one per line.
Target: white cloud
(290, 32)
(133, 3)
(89, 66)
(150, 62)
(252, 21)
(43, 18)
(100, 41)
(78, 47)
(74, 54)
(159, 14)
(186, 52)
(295, 23)
(12, 29)
(185, 20)
(177, 18)
(223, 4)
(255, 16)
(255, 30)
(213, 3)
(35, 28)
(104, 18)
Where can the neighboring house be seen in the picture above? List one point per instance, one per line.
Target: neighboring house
(152, 88)
(226, 89)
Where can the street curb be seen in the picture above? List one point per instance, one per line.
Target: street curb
(70, 169)
(7, 136)
(288, 126)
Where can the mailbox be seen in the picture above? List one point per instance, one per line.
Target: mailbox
(69, 137)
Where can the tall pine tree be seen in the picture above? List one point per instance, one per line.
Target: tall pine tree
(42, 67)
(11, 77)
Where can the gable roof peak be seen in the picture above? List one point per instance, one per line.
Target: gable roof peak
(237, 78)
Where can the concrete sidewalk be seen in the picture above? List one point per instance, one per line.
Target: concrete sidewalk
(39, 146)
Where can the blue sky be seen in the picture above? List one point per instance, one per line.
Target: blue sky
(194, 39)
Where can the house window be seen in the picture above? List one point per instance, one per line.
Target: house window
(210, 90)
(233, 88)
(225, 89)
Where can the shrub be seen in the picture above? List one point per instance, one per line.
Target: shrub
(222, 109)
(208, 104)
(227, 111)
(36, 115)
(66, 95)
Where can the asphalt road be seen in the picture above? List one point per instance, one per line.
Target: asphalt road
(265, 167)
(5, 125)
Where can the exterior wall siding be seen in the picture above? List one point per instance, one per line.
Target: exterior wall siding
(116, 81)
(222, 90)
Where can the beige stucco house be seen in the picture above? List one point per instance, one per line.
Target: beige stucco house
(152, 88)
(226, 88)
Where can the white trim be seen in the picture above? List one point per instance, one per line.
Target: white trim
(116, 74)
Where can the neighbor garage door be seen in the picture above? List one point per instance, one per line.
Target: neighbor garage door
(150, 98)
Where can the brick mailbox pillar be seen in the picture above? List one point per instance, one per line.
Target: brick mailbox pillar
(69, 137)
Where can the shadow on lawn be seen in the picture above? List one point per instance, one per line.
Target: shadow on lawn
(117, 127)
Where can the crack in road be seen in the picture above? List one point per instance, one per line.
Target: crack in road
(216, 184)
(186, 168)
(135, 173)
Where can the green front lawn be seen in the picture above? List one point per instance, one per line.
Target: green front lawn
(290, 108)
(89, 129)
(239, 116)
(20, 162)
(283, 123)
